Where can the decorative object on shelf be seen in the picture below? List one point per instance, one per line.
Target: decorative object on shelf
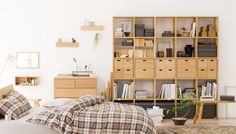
(28, 60)
(189, 93)
(165, 46)
(168, 34)
(207, 31)
(26, 81)
(169, 52)
(184, 104)
(160, 54)
(203, 32)
(127, 34)
(193, 29)
(76, 64)
(86, 71)
(140, 94)
(181, 31)
(188, 50)
(128, 42)
(90, 25)
(61, 43)
(97, 38)
(180, 54)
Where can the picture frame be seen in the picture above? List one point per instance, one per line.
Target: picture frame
(27, 60)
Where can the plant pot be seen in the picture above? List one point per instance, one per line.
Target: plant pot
(127, 34)
(179, 121)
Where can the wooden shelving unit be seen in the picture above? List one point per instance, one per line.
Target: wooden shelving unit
(92, 28)
(148, 72)
(67, 44)
(26, 81)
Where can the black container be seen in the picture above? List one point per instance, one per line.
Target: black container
(188, 50)
(139, 26)
(169, 52)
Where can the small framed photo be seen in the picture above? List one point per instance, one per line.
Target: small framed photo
(28, 60)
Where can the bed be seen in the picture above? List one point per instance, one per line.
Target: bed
(86, 115)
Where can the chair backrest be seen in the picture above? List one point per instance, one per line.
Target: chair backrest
(4, 91)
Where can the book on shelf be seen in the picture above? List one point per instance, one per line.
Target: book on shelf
(167, 91)
(208, 89)
(123, 90)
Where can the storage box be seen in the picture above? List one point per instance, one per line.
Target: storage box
(139, 26)
(139, 32)
(227, 98)
(207, 50)
(141, 94)
(127, 43)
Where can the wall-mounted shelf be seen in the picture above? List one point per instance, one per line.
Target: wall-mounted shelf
(67, 44)
(95, 28)
(26, 80)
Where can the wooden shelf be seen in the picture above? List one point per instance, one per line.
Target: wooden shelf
(92, 28)
(67, 44)
(151, 72)
(26, 80)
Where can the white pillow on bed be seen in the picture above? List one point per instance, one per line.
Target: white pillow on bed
(57, 102)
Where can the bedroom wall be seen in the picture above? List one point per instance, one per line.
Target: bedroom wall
(28, 25)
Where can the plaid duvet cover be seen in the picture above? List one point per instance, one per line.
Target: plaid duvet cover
(112, 118)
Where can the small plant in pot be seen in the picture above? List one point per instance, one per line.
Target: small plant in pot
(184, 104)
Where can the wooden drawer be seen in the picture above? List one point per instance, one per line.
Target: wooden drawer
(73, 93)
(118, 73)
(186, 73)
(212, 63)
(202, 72)
(170, 63)
(202, 63)
(128, 63)
(160, 73)
(145, 63)
(118, 63)
(128, 73)
(160, 64)
(64, 83)
(170, 73)
(86, 83)
(186, 63)
(212, 73)
(144, 73)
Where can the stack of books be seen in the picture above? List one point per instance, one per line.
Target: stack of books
(156, 114)
(123, 90)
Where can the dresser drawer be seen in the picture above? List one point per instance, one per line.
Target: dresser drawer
(86, 83)
(73, 93)
(202, 63)
(144, 73)
(145, 63)
(170, 73)
(118, 73)
(212, 73)
(186, 63)
(119, 63)
(212, 63)
(64, 83)
(160, 64)
(170, 63)
(202, 73)
(160, 73)
(128, 73)
(128, 63)
(186, 73)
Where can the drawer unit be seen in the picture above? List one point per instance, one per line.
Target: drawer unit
(128, 73)
(74, 87)
(186, 68)
(144, 63)
(128, 63)
(118, 73)
(144, 73)
(207, 68)
(118, 63)
(165, 68)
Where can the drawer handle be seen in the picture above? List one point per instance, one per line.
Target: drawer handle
(202, 60)
(128, 70)
(118, 60)
(170, 60)
(186, 69)
(212, 60)
(127, 60)
(160, 60)
(212, 69)
(144, 60)
(170, 69)
(160, 70)
(118, 70)
(186, 60)
(144, 70)
(202, 69)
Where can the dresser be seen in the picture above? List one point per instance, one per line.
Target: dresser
(74, 87)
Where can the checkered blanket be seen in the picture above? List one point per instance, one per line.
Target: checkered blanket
(112, 118)
(91, 115)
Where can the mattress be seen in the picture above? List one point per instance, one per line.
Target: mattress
(20, 126)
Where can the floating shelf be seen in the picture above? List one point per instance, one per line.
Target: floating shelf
(95, 28)
(26, 80)
(67, 44)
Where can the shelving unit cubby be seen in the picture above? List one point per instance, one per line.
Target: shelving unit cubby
(145, 62)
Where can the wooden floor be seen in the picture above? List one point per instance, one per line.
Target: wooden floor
(205, 126)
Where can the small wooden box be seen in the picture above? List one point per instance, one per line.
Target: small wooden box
(128, 63)
(119, 63)
(118, 73)
(170, 73)
(160, 73)
(128, 73)
(144, 73)
(145, 63)
(202, 72)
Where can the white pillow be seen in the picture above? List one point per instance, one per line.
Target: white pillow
(57, 102)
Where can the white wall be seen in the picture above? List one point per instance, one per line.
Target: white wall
(35, 25)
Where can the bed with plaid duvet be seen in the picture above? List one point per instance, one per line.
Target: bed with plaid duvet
(93, 115)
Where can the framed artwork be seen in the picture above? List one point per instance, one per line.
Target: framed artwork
(29, 60)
